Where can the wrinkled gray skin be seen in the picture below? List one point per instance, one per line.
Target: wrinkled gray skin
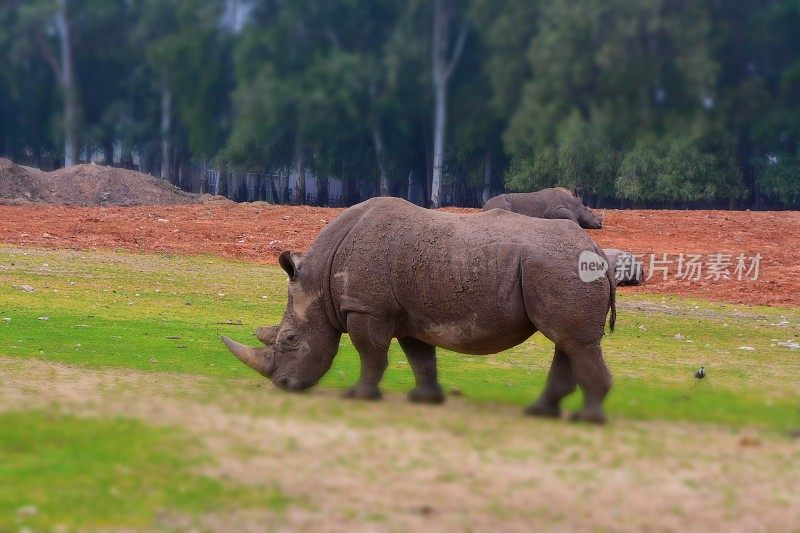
(475, 284)
(547, 203)
(627, 269)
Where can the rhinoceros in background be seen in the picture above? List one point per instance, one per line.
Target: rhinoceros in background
(628, 270)
(547, 203)
(475, 284)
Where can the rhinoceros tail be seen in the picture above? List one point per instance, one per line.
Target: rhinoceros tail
(613, 320)
(612, 302)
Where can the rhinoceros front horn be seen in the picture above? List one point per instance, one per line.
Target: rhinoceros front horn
(255, 358)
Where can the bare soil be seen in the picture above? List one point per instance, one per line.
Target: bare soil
(86, 185)
(259, 232)
(392, 465)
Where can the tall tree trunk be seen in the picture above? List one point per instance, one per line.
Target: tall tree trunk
(487, 176)
(377, 141)
(108, 152)
(222, 184)
(439, 124)
(68, 88)
(126, 160)
(349, 191)
(285, 185)
(166, 126)
(262, 191)
(443, 63)
(459, 190)
(300, 158)
(428, 177)
(184, 169)
(276, 199)
(322, 190)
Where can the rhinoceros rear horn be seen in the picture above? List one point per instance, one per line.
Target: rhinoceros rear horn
(255, 358)
(267, 334)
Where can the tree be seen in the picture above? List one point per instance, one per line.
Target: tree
(188, 59)
(271, 97)
(757, 46)
(444, 58)
(65, 72)
(650, 101)
(324, 97)
(35, 19)
(475, 158)
(604, 74)
(157, 29)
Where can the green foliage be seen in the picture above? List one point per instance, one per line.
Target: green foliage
(581, 158)
(662, 170)
(781, 177)
(606, 77)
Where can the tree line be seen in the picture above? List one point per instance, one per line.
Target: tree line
(669, 103)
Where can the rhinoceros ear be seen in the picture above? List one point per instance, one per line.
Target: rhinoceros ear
(267, 334)
(290, 262)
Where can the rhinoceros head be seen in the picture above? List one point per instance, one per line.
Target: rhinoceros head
(583, 215)
(298, 351)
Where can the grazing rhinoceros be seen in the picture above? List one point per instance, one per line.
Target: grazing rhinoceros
(547, 203)
(627, 269)
(475, 284)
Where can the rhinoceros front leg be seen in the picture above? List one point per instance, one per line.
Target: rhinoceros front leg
(560, 383)
(422, 358)
(560, 212)
(371, 337)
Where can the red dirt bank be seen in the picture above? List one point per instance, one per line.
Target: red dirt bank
(259, 232)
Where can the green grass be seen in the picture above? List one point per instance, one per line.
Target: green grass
(123, 310)
(63, 471)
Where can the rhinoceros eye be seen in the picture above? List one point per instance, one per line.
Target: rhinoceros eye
(291, 338)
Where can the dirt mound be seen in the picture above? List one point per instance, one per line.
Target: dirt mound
(86, 185)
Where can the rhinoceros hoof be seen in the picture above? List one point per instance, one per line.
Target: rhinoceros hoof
(362, 392)
(590, 416)
(546, 411)
(427, 394)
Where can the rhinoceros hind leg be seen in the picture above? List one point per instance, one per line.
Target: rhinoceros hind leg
(422, 358)
(427, 394)
(594, 379)
(560, 383)
(594, 416)
(371, 337)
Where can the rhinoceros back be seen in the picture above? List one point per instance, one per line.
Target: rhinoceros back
(440, 270)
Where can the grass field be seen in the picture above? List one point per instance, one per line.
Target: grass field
(159, 318)
(166, 313)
